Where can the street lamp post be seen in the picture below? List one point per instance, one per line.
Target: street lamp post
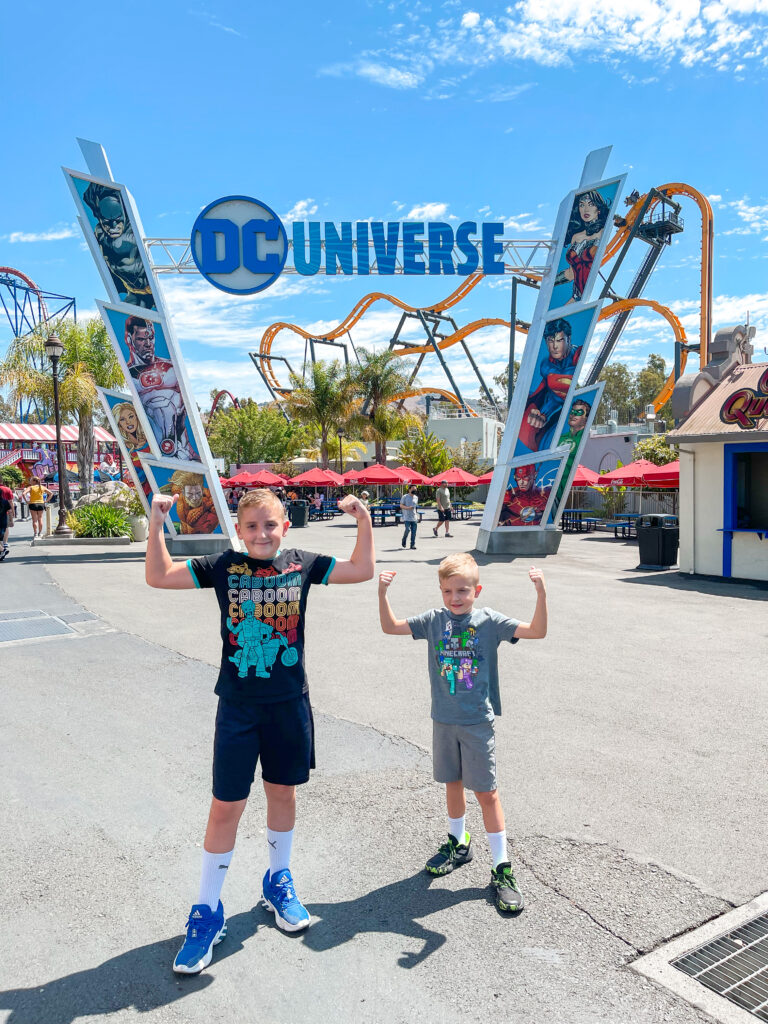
(340, 433)
(54, 348)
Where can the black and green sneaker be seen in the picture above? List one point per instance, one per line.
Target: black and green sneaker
(507, 892)
(450, 855)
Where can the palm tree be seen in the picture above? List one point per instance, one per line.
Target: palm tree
(380, 378)
(425, 452)
(323, 400)
(88, 362)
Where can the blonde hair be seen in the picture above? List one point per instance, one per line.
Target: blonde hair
(458, 565)
(261, 496)
(183, 478)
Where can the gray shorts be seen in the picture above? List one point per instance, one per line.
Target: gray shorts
(465, 753)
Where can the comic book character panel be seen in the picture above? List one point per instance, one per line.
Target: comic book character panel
(527, 493)
(128, 425)
(194, 511)
(587, 222)
(145, 351)
(580, 417)
(117, 242)
(559, 353)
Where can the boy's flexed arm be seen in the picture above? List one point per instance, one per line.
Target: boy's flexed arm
(536, 629)
(391, 625)
(359, 567)
(160, 570)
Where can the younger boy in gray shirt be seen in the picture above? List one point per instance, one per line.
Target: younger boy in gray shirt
(464, 677)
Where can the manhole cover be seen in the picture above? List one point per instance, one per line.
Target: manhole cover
(721, 967)
(735, 966)
(31, 628)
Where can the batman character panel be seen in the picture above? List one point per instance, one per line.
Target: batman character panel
(556, 370)
(118, 245)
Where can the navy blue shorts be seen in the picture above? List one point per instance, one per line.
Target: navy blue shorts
(282, 735)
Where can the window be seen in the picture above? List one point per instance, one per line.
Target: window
(751, 490)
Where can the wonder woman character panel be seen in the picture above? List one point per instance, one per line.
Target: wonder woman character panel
(586, 225)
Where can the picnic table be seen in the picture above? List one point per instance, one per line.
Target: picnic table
(626, 522)
(462, 509)
(578, 520)
(389, 514)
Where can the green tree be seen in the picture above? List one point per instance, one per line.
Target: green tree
(649, 382)
(425, 452)
(469, 457)
(8, 411)
(655, 449)
(619, 393)
(11, 476)
(323, 401)
(254, 434)
(378, 379)
(88, 362)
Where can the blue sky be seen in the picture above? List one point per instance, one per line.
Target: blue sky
(436, 111)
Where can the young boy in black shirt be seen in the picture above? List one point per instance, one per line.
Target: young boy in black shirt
(264, 711)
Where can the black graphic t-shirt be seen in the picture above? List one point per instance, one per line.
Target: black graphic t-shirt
(262, 620)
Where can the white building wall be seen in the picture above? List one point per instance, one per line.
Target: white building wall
(470, 429)
(701, 508)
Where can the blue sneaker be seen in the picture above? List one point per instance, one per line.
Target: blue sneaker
(205, 929)
(280, 897)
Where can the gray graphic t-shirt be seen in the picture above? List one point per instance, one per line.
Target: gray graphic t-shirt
(463, 665)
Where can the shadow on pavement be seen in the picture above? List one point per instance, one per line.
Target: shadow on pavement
(391, 909)
(751, 590)
(72, 557)
(140, 978)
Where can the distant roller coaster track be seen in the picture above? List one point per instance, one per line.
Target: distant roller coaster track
(612, 249)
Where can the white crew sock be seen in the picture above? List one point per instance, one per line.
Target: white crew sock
(498, 844)
(456, 828)
(280, 844)
(215, 867)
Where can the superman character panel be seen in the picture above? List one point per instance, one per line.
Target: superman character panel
(527, 494)
(558, 359)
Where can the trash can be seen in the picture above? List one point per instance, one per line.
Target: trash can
(298, 512)
(658, 536)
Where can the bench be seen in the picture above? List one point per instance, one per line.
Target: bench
(626, 528)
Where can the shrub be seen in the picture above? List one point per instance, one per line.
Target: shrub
(98, 520)
(134, 505)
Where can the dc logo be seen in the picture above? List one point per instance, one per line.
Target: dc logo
(239, 245)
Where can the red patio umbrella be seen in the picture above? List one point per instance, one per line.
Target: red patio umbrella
(378, 475)
(317, 478)
(585, 477)
(663, 476)
(243, 479)
(486, 477)
(457, 477)
(631, 475)
(351, 476)
(266, 478)
(411, 476)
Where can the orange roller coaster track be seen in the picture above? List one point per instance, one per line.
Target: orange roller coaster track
(613, 248)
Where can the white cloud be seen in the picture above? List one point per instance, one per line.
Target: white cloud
(728, 37)
(54, 234)
(753, 217)
(301, 210)
(428, 211)
(503, 94)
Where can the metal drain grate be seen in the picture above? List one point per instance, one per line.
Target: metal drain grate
(32, 629)
(35, 613)
(735, 966)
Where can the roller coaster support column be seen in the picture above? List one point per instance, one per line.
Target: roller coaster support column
(439, 355)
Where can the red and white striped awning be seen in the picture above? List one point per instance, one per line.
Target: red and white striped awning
(47, 432)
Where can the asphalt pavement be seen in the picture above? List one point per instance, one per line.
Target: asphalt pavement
(631, 754)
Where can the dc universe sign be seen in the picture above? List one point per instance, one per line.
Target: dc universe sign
(240, 245)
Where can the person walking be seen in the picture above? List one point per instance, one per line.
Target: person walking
(36, 496)
(6, 518)
(443, 499)
(408, 505)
